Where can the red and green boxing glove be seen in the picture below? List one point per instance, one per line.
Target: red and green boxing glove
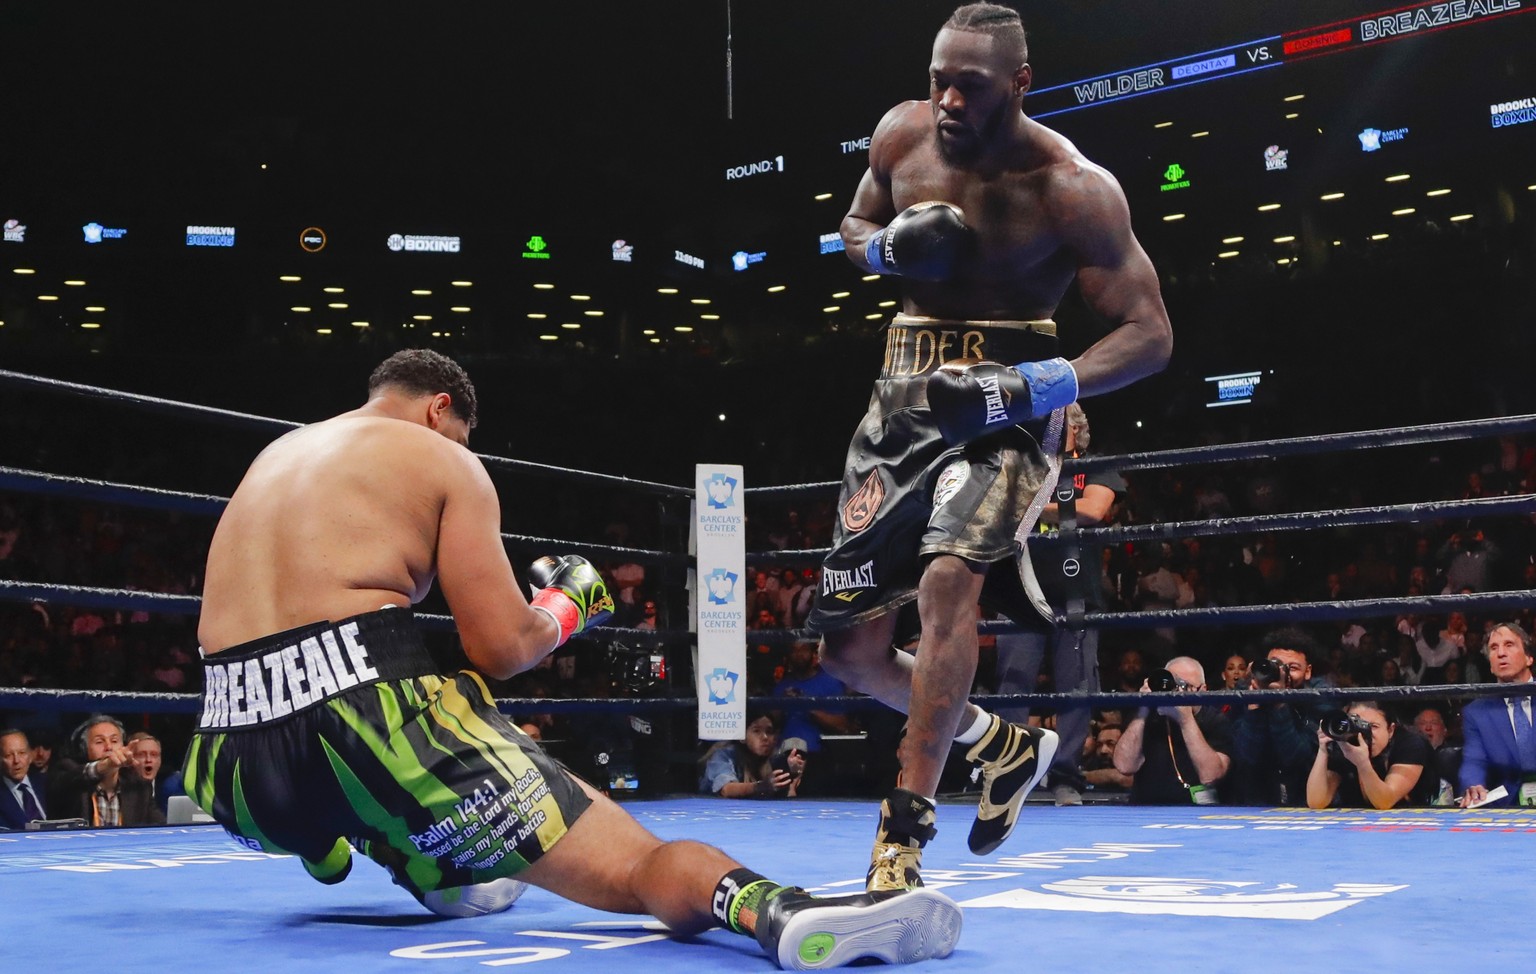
(571, 592)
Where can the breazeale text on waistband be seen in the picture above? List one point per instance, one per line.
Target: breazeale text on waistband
(283, 681)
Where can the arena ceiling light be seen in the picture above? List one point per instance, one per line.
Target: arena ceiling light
(1290, 115)
(334, 290)
(1294, 97)
(74, 283)
(462, 283)
(776, 289)
(1283, 261)
(870, 277)
(822, 196)
(421, 317)
(1438, 192)
(571, 325)
(698, 300)
(359, 324)
(874, 317)
(655, 341)
(839, 295)
(594, 313)
(460, 308)
(1170, 217)
(421, 292)
(1198, 135)
(1285, 239)
(887, 304)
(22, 270)
(300, 308)
(549, 338)
(832, 308)
(289, 278)
(87, 325)
(537, 315)
(1161, 125)
(581, 297)
(322, 331)
(668, 290)
(95, 308)
(337, 304)
(1228, 253)
(649, 331)
(1331, 196)
(1269, 207)
(1380, 236)
(1398, 177)
(1404, 211)
(47, 297)
(709, 317)
(1461, 216)
(684, 329)
(1233, 240)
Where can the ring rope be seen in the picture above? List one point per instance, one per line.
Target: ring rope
(33, 481)
(133, 600)
(232, 418)
(1258, 449)
(166, 702)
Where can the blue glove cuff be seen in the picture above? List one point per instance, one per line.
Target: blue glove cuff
(874, 254)
(1052, 384)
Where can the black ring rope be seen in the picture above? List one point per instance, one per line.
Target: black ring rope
(32, 481)
(230, 417)
(1259, 449)
(35, 698)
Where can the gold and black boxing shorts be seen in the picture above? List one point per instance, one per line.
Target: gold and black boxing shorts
(907, 495)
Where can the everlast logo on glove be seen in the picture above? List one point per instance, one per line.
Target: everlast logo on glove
(997, 409)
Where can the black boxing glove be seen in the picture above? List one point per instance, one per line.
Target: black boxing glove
(925, 242)
(571, 592)
(969, 399)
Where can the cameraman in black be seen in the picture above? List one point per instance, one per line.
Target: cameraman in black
(1274, 744)
(1365, 760)
(1176, 753)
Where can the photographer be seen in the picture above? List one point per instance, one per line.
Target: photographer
(1274, 744)
(1365, 760)
(749, 768)
(1176, 753)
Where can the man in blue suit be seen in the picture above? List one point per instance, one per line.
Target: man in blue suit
(21, 797)
(1500, 740)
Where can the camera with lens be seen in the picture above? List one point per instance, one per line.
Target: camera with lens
(1266, 671)
(1342, 726)
(1164, 681)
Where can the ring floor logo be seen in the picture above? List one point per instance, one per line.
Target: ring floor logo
(721, 684)
(721, 491)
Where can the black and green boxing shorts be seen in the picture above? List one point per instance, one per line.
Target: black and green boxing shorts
(908, 496)
(341, 731)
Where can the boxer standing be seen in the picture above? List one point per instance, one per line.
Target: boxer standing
(987, 216)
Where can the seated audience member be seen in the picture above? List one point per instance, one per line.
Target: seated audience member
(1380, 766)
(747, 768)
(1273, 744)
(1176, 753)
(803, 677)
(146, 760)
(1430, 722)
(1499, 745)
(1099, 766)
(21, 800)
(97, 783)
(1234, 673)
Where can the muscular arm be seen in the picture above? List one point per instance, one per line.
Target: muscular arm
(1128, 757)
(501, 634)
(1209, 762)
(872, 206)
(1116, 279)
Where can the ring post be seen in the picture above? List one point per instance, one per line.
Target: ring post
(721, 532)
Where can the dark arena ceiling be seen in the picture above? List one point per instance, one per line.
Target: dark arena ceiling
(1338, 196)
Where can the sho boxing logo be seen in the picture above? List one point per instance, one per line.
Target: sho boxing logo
(720, 491)
(834, 581)
(865, 503)
(721, 684)
(721, 586)
(419, 243)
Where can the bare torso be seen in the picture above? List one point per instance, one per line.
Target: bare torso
(1020, 269)
(331, 520)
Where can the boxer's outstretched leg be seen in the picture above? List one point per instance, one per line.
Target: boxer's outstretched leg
(609, 861)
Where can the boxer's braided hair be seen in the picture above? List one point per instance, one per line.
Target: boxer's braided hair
(1003, 23)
